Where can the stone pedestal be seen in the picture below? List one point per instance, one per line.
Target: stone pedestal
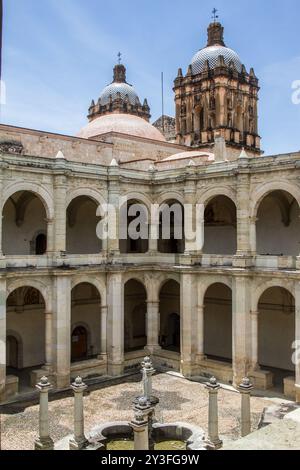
(213, 419)
(44, 441)
(139, 424)
(79, 441)
(245, 389)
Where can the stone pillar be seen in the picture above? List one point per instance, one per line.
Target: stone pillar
(139, 424)
(48, 340)
(245, 391)
(153, 327)
(200, 333)
(2, 336)
(62, 330)
(60, 196)
(149, 370)
(254, 340)
(115, 324)
(241, 339)
(79, 441)
(104, 330)
(297, 339)
(44, 441)
(244, 251)
(213, 420)
(50, 236)
(193, 236)
(153, 235)
(113, 245)
(189, 303)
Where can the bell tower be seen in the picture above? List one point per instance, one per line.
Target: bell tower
(217, 98)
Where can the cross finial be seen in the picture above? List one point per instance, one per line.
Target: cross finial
(215, 16)
(119, 57)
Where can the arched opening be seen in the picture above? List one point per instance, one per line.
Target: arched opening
(220, 227)
(169, 308)
(218, 323)
(134, 227)
(276, 333)
(278, 225)
(171, 228)
(41, 244)
(79, 348)
(135, 311)
(81, 233)
(86, 322)
(12, 352)
(24, 216)
(25, 333)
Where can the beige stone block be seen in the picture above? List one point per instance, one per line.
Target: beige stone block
(289, 388)
(262, 379)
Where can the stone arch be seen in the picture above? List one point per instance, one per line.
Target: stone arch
(19, 339)
(44, 290)
(264, 286)
(139, 197)
(170, 196)
(265, 189)
(163, 279)
(93, 194)
(39, 191)
(138, 277)
(87, 329)
(205, 284)
(208, 195)
(127, 243)
(97, 283)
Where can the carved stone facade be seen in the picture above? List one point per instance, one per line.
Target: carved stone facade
(217, 97)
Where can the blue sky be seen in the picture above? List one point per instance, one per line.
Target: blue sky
(59, 54)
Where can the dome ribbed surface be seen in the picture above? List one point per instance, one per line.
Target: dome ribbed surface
(113, 89)
(212, 54)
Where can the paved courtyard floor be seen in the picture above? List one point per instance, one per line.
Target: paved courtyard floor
(180, 400)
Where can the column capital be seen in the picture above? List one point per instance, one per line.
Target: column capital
(254, 313)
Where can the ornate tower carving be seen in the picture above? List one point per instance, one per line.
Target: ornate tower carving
(217, 97)
(119, 97)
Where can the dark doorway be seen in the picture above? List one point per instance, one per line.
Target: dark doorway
(12, 352)
(41, 244)
(79, 344)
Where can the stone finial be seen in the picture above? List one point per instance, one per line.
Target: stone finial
(221, 61)
(60, 156)
(212, 384)
(244, 71)
(190, 70)
(114, 163)
(246, 385)
(243, 155)
(179, 74)
(78, 385)
(43, 384)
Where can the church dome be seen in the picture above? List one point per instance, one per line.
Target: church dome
(215, 48)
(212, 53)
(111, 91)
(121, 123)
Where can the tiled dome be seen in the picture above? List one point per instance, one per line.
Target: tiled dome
(212, 54)
(112, 90)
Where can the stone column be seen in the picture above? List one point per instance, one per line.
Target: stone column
(50, 235)
(189, 303)
(254, 340)
(193, 237)
(153, 327)
(60, 221)
(245, 391)
(213, 420)
(62, 330)
(113, 245)
(297, 341)
(2, 336)
(241, 339)
(79, 441)
(115, 324)
(104, 331)
(153, 236)
(244, 252)
(139, 424)
(200, 333)
(48, 340)
(44, 441)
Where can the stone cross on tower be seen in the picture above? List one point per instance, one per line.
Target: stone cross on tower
(119, 57)
(215, 16)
